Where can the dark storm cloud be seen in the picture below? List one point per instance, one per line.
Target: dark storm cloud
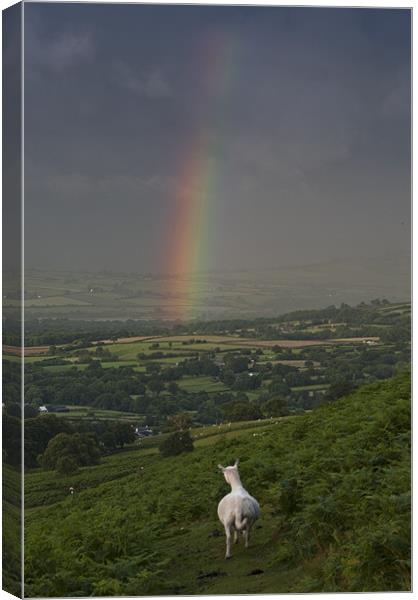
(309, 129)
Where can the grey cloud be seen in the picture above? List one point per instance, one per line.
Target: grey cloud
(149, 85)
(397, 102)
(62, 51)
(299, 141)
(91, 190)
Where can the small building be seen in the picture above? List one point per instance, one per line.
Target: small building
(142, 432)
(43, 409)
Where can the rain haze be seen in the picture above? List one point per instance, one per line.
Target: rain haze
(186, 139)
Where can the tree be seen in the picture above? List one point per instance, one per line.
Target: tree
(339, 389)
(108, 440)
(12, 437)
(173, 388)
(38, 432)
(33, 395)
(276, 406)
(237, 364)
(30, 412)
(155, 386)
(123, 434)
(245, 381)
(176, 444)
(82, 448)
(228, 378)
(240, 410)
(66, 465)
(13, 409)
(180, 422)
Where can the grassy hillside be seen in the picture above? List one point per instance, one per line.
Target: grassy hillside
(333, 485)
(11, 529)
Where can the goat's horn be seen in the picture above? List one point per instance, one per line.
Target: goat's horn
(221, 467)
(236, 463)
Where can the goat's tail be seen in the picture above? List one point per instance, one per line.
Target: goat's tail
(240, 523)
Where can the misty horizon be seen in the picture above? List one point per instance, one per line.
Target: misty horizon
(219, 270)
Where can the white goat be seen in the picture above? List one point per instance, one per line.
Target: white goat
(237, 511)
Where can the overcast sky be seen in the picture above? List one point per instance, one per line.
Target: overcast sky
(304, 113)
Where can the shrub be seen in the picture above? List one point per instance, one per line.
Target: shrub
(177, 443)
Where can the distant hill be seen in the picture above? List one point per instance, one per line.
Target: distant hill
(333, 485)
(212, 295)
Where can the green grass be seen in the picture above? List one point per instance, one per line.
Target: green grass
(334, 490)
(12, 357)
(201, 384)
(28, 359)
(307, 388)
(119, 363)
(99, 413)
(56, 368)
(209, 434)
(105, 365)
(11, 530)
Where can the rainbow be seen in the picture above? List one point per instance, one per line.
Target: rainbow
(199, 177)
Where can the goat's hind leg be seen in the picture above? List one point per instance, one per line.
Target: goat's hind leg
(228, 529)
(246, 535)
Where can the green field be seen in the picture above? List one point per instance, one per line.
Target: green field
(88, 412)
(202, 384)
(307, 388)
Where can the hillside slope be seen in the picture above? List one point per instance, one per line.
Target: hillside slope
(334, 488)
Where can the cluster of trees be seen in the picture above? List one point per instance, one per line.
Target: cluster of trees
(12, 439)
(39, 431)
(66, 452)
(94, 386)
(43, 431)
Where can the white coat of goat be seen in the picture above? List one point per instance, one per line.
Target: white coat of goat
(237, 511)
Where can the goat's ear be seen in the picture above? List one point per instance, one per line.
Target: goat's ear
(236, 463)
(221, 467)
